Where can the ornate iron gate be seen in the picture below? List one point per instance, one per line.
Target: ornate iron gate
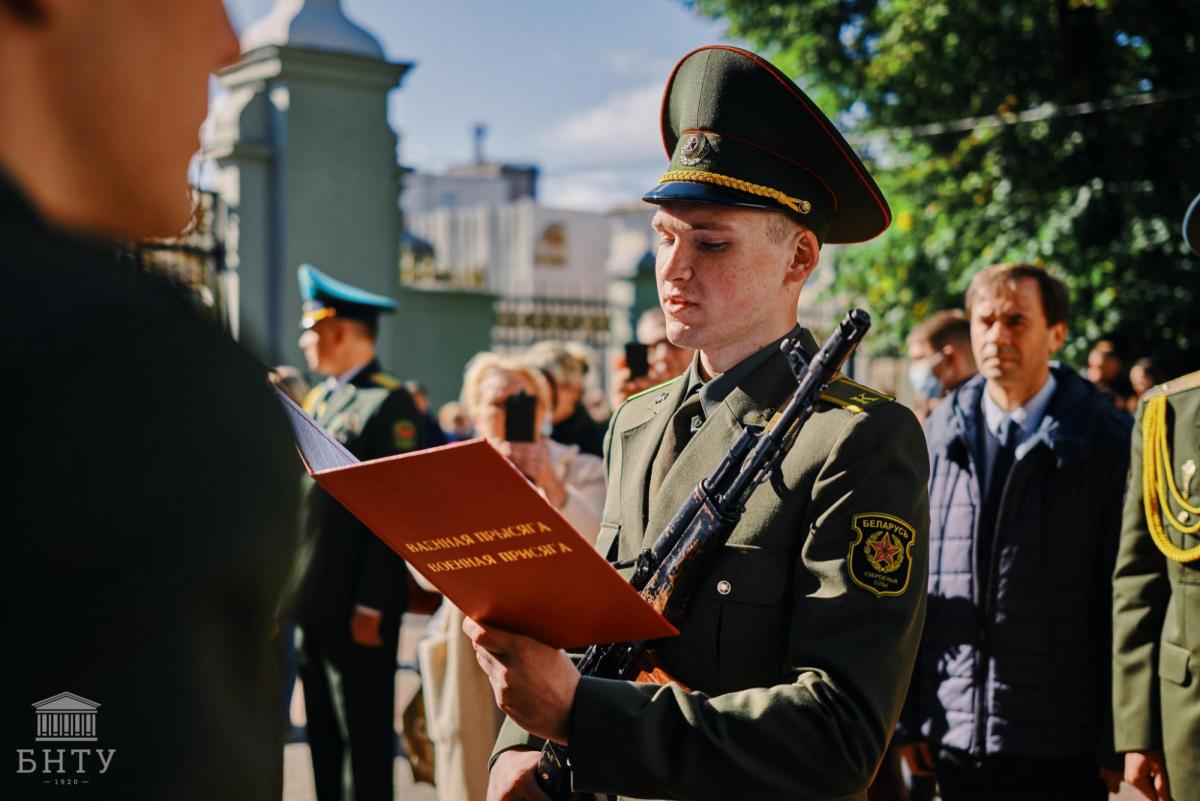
(196, 258)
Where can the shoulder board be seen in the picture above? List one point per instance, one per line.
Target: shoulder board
(650, 389)
(852, 396)
(386, 381)
(314, 395)
(1189, 381)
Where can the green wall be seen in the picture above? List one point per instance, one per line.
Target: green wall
(434, 333)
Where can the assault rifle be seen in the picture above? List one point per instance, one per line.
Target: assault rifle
(667, 573)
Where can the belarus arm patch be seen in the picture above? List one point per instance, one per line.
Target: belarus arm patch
(880, 557)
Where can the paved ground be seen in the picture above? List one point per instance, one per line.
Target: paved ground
(297, 768)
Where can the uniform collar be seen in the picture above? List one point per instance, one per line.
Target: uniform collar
(357, 375)
(354, 372)
(716, 390)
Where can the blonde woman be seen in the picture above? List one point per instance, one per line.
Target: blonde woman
(462, 715)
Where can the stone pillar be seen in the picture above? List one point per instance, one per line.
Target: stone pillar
(307, 161)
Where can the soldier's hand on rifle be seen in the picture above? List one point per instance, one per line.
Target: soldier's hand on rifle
(534, 684)
(514, 778)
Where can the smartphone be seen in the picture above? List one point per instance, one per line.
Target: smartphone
(519, 411)
(637, 359)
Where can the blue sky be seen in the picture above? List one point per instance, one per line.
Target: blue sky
(571, 85)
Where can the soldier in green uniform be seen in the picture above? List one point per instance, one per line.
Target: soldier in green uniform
(354, 588)
(1156, 590)
(795, 657)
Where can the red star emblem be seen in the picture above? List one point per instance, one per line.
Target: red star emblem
(884, 551)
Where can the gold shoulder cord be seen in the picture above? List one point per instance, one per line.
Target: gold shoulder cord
(1156, 463)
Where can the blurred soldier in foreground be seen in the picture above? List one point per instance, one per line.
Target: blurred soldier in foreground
(150, 504)
(354, 590)
(794, 658)
(1156, 589)
(666, 360)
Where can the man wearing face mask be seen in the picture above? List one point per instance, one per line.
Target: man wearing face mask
(1010, 695)
(940, 358)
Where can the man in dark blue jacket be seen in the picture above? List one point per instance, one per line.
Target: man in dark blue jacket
(1009, 698)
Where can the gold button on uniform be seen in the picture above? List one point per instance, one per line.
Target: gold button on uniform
(724, 587)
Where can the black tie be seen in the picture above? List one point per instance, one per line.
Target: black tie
(1004, 458)
(1001, 466)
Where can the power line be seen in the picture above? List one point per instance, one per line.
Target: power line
(1045, 111)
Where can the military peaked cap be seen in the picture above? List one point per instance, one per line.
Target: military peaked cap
(325, 297)
(1191, 226)
(740, 133)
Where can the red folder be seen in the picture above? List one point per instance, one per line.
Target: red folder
(468, 521)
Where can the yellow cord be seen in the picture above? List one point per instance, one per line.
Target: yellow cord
(1164, 450)
(794, 203)
(1156, 460)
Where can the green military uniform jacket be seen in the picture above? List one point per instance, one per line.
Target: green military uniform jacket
(1156, 612)
(797, 662)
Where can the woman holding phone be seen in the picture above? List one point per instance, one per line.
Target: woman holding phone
(508, 402)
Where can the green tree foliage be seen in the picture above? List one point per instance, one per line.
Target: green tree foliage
(1085, 156)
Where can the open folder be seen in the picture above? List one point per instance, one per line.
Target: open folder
(468, 521)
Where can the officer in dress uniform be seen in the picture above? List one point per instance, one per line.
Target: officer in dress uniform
(1156, 590)
(795, 656)
(354, 588)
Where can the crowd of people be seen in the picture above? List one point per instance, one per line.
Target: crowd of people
(1029, 464)
(1003, 598)
(345, 671)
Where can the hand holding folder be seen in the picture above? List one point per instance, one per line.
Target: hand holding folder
(470, 523)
